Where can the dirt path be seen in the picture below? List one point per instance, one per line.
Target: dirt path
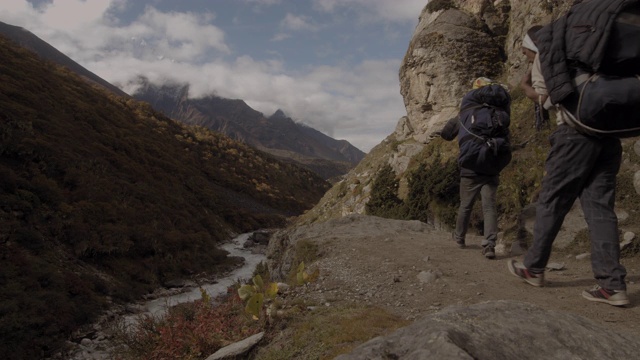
(413, 269)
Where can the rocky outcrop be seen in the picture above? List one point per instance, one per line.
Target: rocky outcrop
(451, 46)
(500, 330)
(469, 47)
(454, 42)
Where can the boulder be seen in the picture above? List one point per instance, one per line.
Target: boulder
(500, 330)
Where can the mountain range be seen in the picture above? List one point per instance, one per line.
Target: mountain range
(277, 134)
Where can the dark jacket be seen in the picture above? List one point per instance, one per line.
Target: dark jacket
(578, 38)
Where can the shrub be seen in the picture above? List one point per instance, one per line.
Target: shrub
(187, 331)
(433, 191)
(384, 201)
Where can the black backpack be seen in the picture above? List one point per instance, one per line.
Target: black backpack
(607, 99)
(483, 135)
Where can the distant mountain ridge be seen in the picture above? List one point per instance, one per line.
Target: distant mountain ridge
(28, 40)
(277, 134)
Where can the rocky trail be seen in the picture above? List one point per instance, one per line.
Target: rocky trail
(413, 269)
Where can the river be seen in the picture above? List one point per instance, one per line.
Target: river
(98, 347)
(235, 248)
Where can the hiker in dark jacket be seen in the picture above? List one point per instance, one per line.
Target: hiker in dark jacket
(472, 184)
(588, 29)
(577, 166)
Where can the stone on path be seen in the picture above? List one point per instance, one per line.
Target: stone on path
(500, 330)
(237, 349)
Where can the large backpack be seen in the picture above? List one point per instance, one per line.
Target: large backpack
(607, 98)
(483, 134)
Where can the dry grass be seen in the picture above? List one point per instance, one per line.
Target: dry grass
(327, 332)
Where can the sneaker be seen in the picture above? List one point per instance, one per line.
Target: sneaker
(489, 252)
(611, 297)
(520, 271)
(460, 243)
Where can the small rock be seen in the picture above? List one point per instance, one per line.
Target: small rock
(628, 236)
(86, 342)
(427, 277)
(583, 256)
(282, 287)
(555, 266)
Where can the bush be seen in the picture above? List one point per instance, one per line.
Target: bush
(187, 331)
(434, 191)
(384, 201)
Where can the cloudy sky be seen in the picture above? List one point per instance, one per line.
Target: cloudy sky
(331, 64)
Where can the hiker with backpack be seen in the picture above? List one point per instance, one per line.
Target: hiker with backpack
(574, 52)
(482, 129)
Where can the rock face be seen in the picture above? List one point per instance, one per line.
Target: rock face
(455, 37)
(454, 42)
(499, 330)
(450, 47)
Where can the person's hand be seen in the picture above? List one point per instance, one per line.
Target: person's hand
(527, 86)
(526, 79)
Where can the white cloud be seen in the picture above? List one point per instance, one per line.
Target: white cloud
(376, 10)
(360, 104)
(264, 2)
(281, 37)
(298, 22)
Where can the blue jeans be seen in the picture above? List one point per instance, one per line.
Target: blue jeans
(585, 167)
(470, 187)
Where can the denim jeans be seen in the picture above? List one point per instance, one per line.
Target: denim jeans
(585, 167)
(470, 187)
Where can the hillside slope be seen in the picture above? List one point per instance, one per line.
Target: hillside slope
(104, 199)
(277, 134)
(29, 41)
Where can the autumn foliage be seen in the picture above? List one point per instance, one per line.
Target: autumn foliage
(190, 331)
(103, 199)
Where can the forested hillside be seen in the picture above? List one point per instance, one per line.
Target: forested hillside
(103, 199)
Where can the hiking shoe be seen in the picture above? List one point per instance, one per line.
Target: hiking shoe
(489, 252)
(520, 271)
(460, 243)
(611, 297)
